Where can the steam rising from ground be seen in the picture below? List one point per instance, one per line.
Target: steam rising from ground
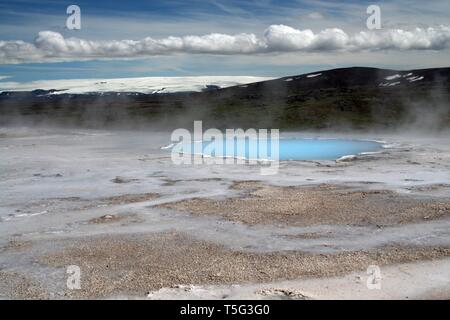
(428, 115)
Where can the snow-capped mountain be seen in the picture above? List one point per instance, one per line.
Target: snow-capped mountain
(146, 85)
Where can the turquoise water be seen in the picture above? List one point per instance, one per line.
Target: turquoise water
(289, 149)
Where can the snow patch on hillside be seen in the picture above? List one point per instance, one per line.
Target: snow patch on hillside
(415, 79)
(395, 76)
(313, 75)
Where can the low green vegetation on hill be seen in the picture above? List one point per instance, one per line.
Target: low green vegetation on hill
(357, 98)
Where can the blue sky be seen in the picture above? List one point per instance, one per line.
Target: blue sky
(135, 20)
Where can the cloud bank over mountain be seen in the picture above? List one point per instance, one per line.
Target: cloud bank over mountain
(50, 46)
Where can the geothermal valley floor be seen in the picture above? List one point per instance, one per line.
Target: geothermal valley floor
(140, 227)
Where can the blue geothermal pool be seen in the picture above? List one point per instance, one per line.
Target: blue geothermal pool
(288, 149)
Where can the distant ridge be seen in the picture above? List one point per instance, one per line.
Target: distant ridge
(136, 85)
(357, 97)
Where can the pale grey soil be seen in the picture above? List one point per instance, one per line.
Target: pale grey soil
(64, 191)
(317, 205)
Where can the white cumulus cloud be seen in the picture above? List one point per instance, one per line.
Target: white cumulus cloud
(52, 46)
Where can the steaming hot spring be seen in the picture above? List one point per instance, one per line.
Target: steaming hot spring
(284, 149)
(70, 196)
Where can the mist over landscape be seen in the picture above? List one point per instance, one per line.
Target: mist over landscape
(341, 99)
(207, 151)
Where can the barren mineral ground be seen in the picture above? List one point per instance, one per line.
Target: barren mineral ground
(138, 226)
